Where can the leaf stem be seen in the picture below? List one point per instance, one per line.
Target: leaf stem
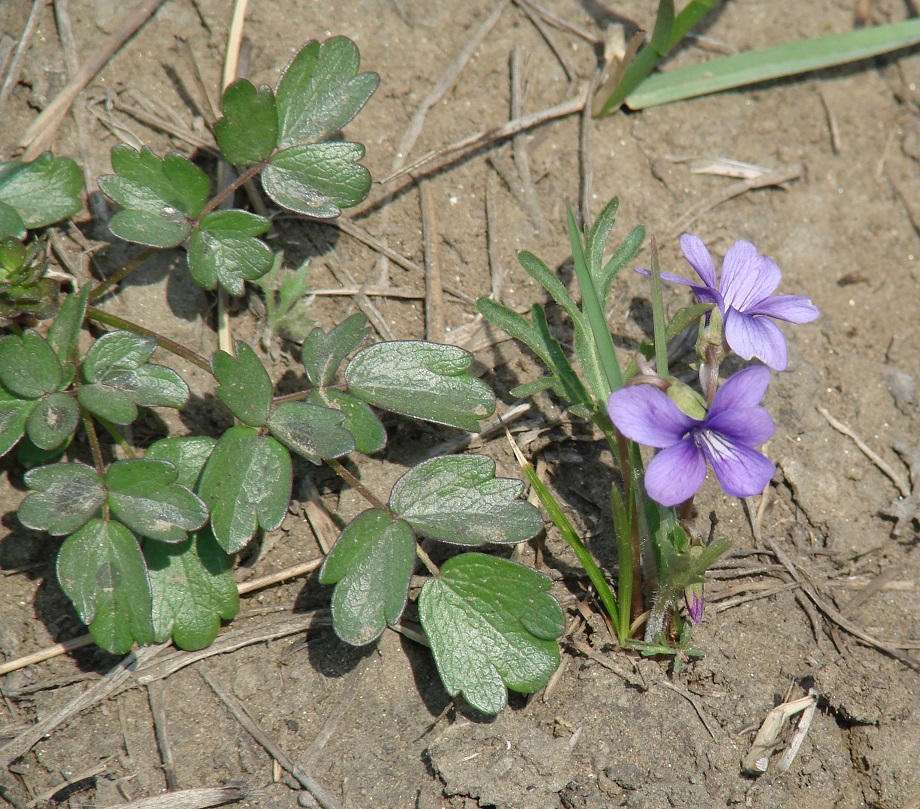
(94, 445)
(433, 569)
(101, 316)
(232, 188)
(356, 484)
(119, 276)
(117, 436)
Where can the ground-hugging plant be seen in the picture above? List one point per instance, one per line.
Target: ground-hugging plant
(149, 540)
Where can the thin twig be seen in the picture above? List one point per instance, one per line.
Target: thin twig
(39, 135)
(157, 700)
(549, 38)
(900, 483)
(693, 701)
(519, 144)
(22, 48)
(364, 303)
(831, 123)
(200, 798)
(434, 291)
(251, 726)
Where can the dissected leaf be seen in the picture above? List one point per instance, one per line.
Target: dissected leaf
(224, 251)
(245, 483)
(145, 496)
(192, 589)
(53, 420)
(102, 570)
(29, 367)
(42, 192)
(360, 419)
(314, 432)
(492, 626)
(248, 131)
(458, 499)
(64, 497)
(159, 196)
(188, 453)
(120, 378)
(370, 566)
(245, 386)
(322, 353)
(318, 179)
(321, 90)
(424, 380)
(14, 413)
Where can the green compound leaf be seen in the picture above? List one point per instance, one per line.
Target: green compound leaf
(120, 378)
(223, 250)
(41, 192)
(14, 414)
(321, 91)
(192, 590)
(245, 386)
(145, 496)
(29, 367)
(458, 499)
(246, 483)
(370, 565)
(318, 179)
(248, 132)
(360, 419)
(188, 453)
(424, 380)
(492, 626)
(64, 332)
(314, 432)
(102, 570)
(64, 497)
(159, 196)
(322, 353)
(53, 420)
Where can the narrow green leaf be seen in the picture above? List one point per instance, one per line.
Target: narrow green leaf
(528, 389)
(145, 496)
(248, 131)
(629, 248)
(424, 380)
(245, 483)
(314, 432)
(321, 91)
(791, 59)
(664, 26)
(64, 332)
(458, 499)
(53, 420)
(598, 234)
(318, 179)
(323, 354)
(188, 453)
(547, 279)
(64, 497)
(245, 386)
(101, 569)
(360, 420)
(370, 564)
(29, 367)
(42, 192)
(192, 590)
(14, 414)
(492, 626)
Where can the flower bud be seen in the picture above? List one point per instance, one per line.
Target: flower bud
(687, 399)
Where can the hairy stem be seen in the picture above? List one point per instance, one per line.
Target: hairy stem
(120, 275)
(356, 484)
(101, 316)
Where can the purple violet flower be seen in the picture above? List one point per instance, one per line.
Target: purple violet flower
(744, 295)
(734, 425)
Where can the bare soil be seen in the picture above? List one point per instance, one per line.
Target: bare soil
(374, 726)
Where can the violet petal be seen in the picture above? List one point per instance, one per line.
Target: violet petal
(675, 474)
(791, 308)
(750, 337)
(746, 388)
(696, 253)
(646, 414)
(742, 471)
(749, 426)
(747, 276)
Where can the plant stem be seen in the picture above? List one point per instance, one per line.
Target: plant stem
(94, 445)
(356, 484)
(232, 188)
(661, 341)
(119, 439)
(121, 274)
(101, 316)
(427, 560)
(632, 500)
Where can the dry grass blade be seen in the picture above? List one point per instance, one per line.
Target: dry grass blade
(39, 135)
(22, 48)
(200, 798)
(242, 716)
(157, 700)
(48, 796)
(434, 292)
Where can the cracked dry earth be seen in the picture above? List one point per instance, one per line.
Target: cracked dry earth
(827, 559)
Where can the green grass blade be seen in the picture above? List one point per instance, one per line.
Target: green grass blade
(661, 342)
(772, 63)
